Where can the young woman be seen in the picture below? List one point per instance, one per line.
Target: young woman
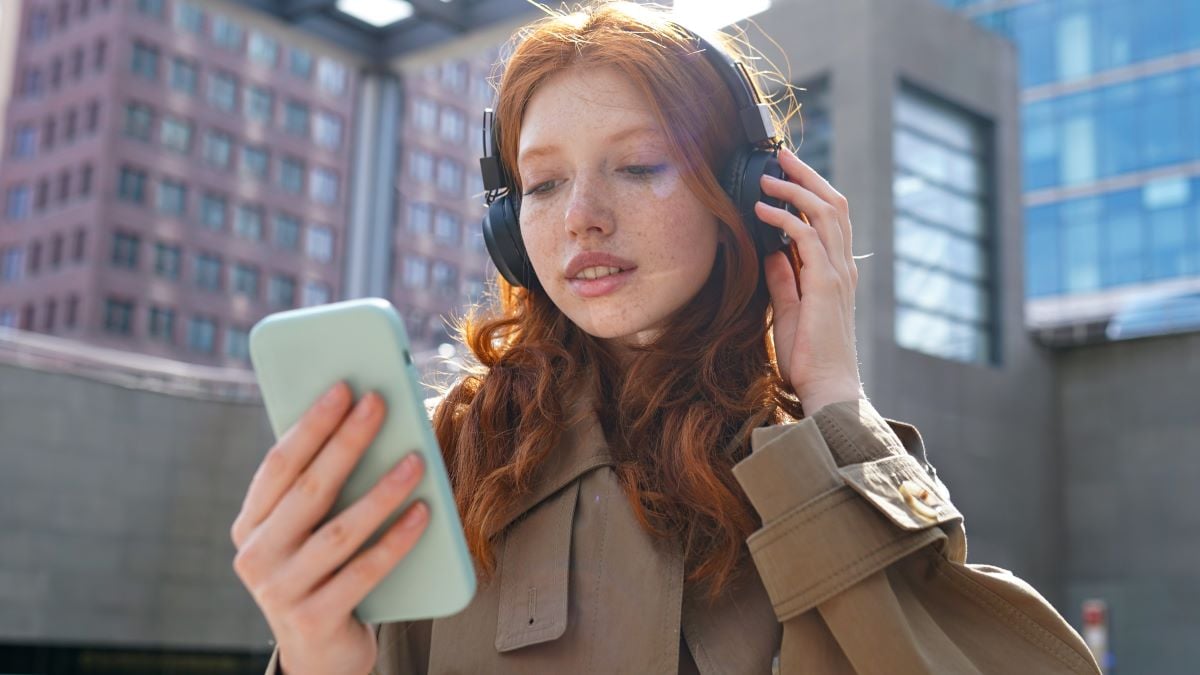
(665, 461)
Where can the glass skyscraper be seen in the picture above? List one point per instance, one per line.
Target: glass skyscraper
(1110, 116)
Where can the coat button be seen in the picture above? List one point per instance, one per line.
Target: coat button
(918, 499)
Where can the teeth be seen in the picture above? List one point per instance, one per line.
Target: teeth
(597, 272)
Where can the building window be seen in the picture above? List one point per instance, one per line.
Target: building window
(64, 186)
(125, 250)
(291, 175)
(85, 180)
(416, 272)
(208, 271)
(315, 293)
(77, 63)
(17, 203)
(419, 219)
(425, 114)
(12, 265)
(331, 76)
(212, 211)
(167, 260)
(35, 257)
(80, 242)
(447, 228)
(225, 33)
(282, 292)
(139, 121)
(237, 343)
(48, 130)
(201, 334)
(300, 62)
(245, 280)
(259, 103)
(323, 186)
(217, 148)
(263, 49)
(150, 8)
(942, 232)
(287, 232)
(145, 61)
(31, 82)
(249, 223)
(93, 117)
(445, 278)
(320, 243)
(176, 134)
(56, 251)
(184, 75)
(39, 25)
(189, 17)
(48, 319)
(295, 118)
(131, 185)
(162, 324)
(24, 143)
(70, 126)
(172, 198)
(56, 67)
(453, 125)
(118, 316)
(327, 130)
(420, 166)
(449, 176)
(99, 53)
(454, 76)
(255, 161)
(222, 91)
(72, 311)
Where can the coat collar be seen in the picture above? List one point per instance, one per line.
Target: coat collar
(581, 448)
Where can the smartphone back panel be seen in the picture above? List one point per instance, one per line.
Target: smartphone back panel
(297, 356)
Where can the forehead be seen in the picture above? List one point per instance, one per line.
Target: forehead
(579, 105)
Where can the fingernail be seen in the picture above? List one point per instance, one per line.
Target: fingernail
(771, 178)
(333, 396)
(414, 516)
(405, 468)
(366, 406)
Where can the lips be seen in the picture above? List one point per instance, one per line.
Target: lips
(597, 259)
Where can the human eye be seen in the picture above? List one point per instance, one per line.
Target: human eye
(538, 189)
(643, 170)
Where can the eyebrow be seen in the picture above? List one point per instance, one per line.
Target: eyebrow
(537, 150)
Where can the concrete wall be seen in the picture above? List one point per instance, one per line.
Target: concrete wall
(989, 429)
(1130, 436)
(116, 510)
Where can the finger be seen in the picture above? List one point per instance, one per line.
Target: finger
(349, 585)
(310, 497)
(335, 541)
(796, 168)
(815, 265)
(287, 458)
(821, 214)
(781, 282)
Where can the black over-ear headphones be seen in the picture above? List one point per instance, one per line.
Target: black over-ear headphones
(739, 177)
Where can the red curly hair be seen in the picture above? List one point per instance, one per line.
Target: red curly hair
(678, 412)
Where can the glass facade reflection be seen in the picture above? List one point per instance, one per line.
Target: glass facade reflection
(1110, 143)
(941, 189)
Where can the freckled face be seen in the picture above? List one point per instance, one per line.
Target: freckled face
(596, 176)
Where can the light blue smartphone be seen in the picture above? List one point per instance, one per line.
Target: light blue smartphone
(298, 355)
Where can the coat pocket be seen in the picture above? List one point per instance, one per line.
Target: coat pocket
(535, 572)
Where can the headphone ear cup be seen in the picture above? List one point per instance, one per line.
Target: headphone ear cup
(741, 179)
(502, 234)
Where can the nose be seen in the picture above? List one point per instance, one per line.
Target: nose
(588, 212)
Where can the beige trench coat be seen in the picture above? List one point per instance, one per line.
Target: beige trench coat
(861, 568)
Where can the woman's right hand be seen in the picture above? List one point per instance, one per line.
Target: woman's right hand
(293, 568)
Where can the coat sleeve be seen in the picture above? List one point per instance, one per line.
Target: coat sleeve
(864, 558)
(403, 649)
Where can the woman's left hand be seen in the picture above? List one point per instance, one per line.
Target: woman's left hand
(813, 305)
